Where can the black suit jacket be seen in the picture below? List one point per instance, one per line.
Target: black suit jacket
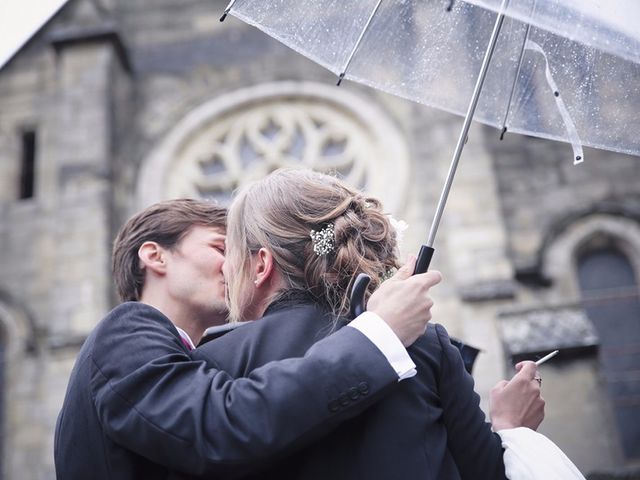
(430, 427)
(138, 406)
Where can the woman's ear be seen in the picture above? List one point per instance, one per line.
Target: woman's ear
(264, 267)
(152, 257)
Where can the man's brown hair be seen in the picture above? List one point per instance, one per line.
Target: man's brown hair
(165, 223)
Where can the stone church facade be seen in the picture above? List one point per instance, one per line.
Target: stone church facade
(113, 105)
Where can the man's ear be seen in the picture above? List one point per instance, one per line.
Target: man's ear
(152, 257)
(264, 267)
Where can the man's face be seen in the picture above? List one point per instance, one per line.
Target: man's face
(194, 272)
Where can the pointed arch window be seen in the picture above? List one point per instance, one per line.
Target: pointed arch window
(611, 299)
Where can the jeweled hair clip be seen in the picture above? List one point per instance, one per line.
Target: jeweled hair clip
(323, 240)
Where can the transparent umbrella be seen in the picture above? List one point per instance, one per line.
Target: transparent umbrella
(431, 51)
(566, 70)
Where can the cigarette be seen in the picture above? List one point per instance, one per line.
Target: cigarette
(547, 357)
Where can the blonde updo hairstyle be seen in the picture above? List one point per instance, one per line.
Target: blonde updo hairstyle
(280, 211)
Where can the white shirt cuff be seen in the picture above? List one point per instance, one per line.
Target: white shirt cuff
(376, 330)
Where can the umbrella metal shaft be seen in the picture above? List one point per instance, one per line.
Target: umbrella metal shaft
(467, 123)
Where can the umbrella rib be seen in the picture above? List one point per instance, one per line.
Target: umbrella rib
(515, 82)
(358, 42)
(515, 79)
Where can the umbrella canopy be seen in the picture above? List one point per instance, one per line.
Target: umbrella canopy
(562, 69)
(565, 70)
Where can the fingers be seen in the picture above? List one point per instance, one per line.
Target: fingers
(500, 385)
(526, 370)
(406, 270)
(537, 414)
(432, 277)
(427, 314)
(429, 303)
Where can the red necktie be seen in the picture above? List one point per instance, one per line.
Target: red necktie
(186, 343)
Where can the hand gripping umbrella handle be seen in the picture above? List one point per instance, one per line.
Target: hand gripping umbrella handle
(361, 282)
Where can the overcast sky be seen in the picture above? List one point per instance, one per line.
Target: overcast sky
(19, 20)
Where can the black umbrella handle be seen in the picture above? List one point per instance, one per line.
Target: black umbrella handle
(358, 290)
(424, 259)
(361, 282)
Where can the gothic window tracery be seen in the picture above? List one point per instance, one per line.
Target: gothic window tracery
(245, 135)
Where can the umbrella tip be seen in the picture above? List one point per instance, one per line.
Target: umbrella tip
(227, 10)
(504, 130)
(340, 78)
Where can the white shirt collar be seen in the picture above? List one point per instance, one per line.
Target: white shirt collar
(185, 336)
